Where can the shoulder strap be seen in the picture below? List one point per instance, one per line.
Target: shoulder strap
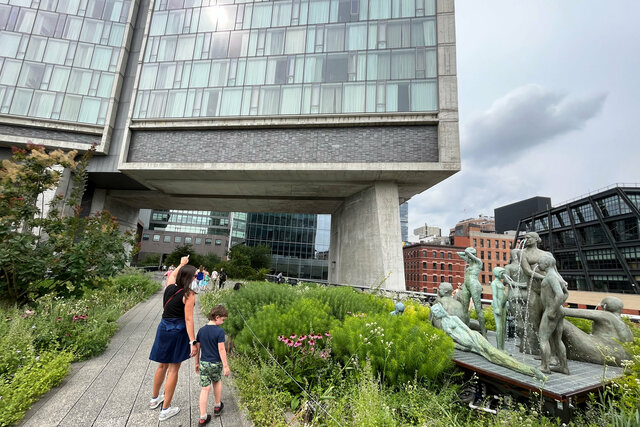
(171, 297)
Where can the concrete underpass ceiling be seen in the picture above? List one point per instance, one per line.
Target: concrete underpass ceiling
(293, 191)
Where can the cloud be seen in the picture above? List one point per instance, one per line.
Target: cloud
(525, 118)
(497, 149)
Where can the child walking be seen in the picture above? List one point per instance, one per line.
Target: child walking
(211, 361)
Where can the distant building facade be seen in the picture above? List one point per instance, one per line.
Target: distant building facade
(165, 230)
(492, 248)
(482, 222)
(299, 242)
(426, 266)
(507, 217)
(404, 221)
(595, 239)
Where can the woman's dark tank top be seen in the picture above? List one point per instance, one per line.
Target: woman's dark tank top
(174, 308)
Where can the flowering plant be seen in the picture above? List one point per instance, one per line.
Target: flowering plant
(307, 358)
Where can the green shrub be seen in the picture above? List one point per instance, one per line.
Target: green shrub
(398, 347)
(34, 378)
(250, 299)
(344, 300)
(489, 320)
(303, 317)
(584, 324)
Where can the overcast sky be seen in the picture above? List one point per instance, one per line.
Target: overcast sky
(549, 102)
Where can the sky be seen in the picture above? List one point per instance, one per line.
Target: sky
(549, 105)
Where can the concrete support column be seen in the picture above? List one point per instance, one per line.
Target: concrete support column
(126, 216)
(366, 246)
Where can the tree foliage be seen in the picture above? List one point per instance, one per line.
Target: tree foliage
(60, 251)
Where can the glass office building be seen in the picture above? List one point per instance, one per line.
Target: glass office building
(59, 58)
(210, 59)
(595, 239)
(299, 242)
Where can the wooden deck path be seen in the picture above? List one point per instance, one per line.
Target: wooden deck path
(114, 388)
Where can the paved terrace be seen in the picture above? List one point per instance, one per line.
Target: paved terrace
(114, 388)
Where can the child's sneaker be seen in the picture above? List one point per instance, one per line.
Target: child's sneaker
(165, 414)
(154, 403)
(218, 409)
(205, 421)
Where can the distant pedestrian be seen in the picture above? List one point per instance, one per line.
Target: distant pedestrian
(279, 278)
(223, 277)
(175, 337)
(211, 362)
(214, 278)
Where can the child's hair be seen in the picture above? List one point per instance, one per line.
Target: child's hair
(218, 311)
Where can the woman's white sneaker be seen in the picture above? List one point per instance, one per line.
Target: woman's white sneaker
(165, 414)
(154, 403)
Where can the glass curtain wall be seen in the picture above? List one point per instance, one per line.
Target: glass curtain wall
(288, 57)
(59, 57)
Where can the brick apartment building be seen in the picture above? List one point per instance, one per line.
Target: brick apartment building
(426, 266)
(492, 248)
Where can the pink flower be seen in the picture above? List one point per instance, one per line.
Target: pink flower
(327, 334)
(302, 338)
(324, 356)
(59, 319)
(29, 311)
(298, 344)
(281, 338)
(75, 318)
(312, 342)
(290, 343)
(293, 337)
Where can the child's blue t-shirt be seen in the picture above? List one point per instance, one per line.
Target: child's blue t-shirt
(209, 336)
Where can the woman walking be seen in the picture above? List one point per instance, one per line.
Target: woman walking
(175, 338)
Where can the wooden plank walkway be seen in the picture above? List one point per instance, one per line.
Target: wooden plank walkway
(114, 388)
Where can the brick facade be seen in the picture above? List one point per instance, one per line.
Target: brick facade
(426, 266)
(384, 144)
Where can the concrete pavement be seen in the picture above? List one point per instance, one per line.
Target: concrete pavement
(114, 388)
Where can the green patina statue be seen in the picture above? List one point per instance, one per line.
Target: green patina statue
(499, 305)
(603, 345)
(450, 304)
(472, 289)
(553, 295)
(467, 340)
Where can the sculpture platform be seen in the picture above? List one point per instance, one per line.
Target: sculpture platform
(565, 390)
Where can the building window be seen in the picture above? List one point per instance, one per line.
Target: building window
(435, 279)
(450, 267)
(449, 255)
(424, 277)
(424, 254)
(424, 265)
(475, 243)
(442, 266)
(504, 245)
(207, 241)
(482, 243)
(435, 266)
(441, 279)
(198, 240)
(434, 254)
(145, 237)
(481, 254)
(177, 239)
(156, 237)
(166, 239)
(504, 256)
(442, 255)
(187, 240)
(483, 279)
(218, 242)
(450, 279)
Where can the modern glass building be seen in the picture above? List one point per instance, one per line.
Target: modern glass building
(208, 59)
(299, 242)
(345, 108)
(595, 239)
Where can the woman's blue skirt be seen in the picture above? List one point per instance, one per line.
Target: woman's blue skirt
(172, 342)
